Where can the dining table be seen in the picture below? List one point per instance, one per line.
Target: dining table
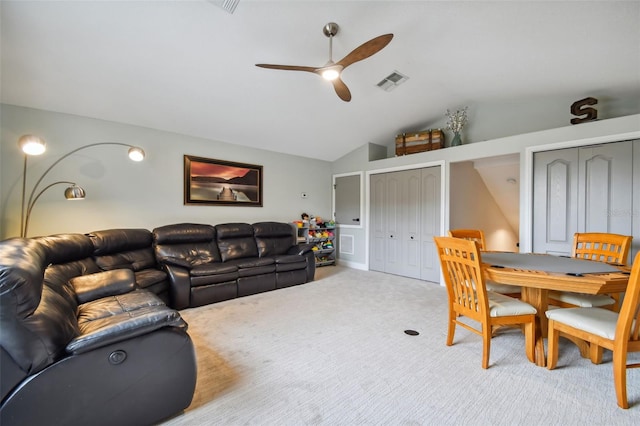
(536, 274)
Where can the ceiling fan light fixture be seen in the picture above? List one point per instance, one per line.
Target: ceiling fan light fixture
(330, 74)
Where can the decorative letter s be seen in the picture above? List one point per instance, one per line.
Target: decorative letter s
(578, 108)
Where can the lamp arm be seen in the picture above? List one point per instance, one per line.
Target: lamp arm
(33, 203)
(30, 203)
(24, 190)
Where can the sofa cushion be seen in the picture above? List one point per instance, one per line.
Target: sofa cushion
(136, 260)
(63, 248)
(236, 241)
(150, 277)
(259, 270)
(290, 263)
(116, 318)
(119, 240)
(274, 238)
(102, 284)
(213, 273)
(182, 233)
(193, 243)
(252, 262)
(212, 269)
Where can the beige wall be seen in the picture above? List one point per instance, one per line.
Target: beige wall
(473, 207)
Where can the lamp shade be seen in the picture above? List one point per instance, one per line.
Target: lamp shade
(136, 154)
(74, 192)
(31, 145)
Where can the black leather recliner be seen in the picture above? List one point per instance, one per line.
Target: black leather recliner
(190, 255)
(295, 263)
(79, 345)
(131, 249)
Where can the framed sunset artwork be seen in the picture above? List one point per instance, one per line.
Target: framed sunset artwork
(209, 181)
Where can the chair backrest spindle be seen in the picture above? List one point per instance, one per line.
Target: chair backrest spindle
(476, 235)
(602, 247)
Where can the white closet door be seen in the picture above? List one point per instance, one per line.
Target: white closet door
(555, 201)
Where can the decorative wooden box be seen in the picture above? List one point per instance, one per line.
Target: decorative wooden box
(427, 140)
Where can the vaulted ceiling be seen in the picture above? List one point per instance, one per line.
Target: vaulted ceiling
(188, 66)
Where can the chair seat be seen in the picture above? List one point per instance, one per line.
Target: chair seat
(582, 300)
(502, 288)
(598, 321)
(501, 306)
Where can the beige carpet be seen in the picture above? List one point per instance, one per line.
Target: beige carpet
(334, 352)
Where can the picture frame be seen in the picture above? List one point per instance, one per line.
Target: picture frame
(209, 181)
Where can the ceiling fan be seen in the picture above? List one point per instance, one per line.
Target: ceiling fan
(332, 70)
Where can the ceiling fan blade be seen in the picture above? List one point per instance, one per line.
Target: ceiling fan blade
(365, 50)
(287, 67)
(341, 89)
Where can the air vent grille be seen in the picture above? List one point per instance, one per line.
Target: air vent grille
(228, 5)
(392, 81)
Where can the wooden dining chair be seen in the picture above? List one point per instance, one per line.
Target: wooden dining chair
(603, 328)
(477, 235)
(468, 297)
(601, 247)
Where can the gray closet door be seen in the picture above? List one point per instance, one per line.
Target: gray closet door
(604, 188)
(586, 189)
(393, 261)
(378, 231)
(411, 222)
(430, 224)
(405, 215)
(555, 201)
(385, 253)
(635, 213)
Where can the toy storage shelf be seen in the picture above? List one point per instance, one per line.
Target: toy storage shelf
(323, 239)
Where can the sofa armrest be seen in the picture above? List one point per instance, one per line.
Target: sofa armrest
(102, 284)
(300, 249)
(179, 285)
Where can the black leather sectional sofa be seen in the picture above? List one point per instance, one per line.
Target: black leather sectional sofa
(208, 264)
(86, 336)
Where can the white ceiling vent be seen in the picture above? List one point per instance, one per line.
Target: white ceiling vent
(228, 5)
(392, 81)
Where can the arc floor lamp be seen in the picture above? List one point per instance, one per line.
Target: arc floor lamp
(33, 145)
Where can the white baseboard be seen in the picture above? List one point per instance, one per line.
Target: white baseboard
(354, 265)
